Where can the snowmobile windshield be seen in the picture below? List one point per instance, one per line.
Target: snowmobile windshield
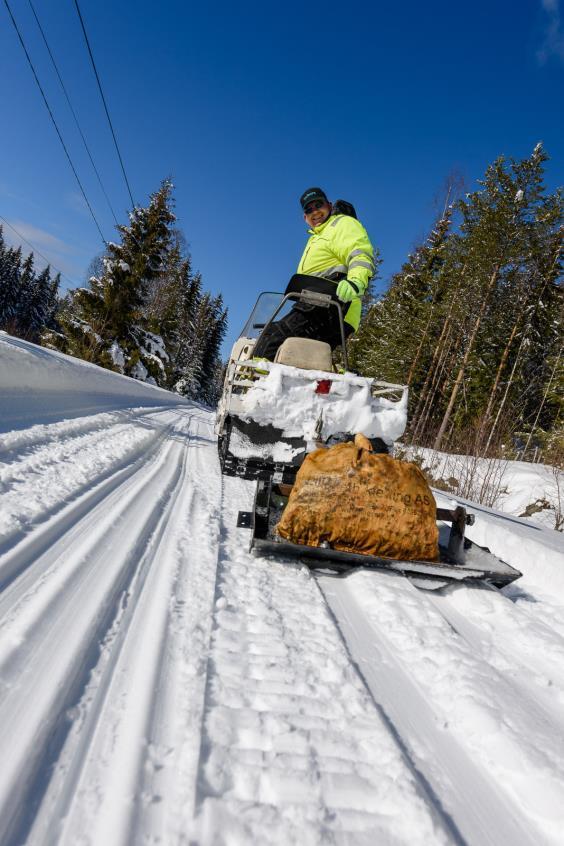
(265, 307)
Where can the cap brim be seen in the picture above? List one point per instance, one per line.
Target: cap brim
(314, 200)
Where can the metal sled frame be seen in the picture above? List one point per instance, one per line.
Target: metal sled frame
(460, 559)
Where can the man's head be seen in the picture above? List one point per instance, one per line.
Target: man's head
(316, 206)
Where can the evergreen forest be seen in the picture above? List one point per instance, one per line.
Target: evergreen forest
(28, 299)
(473, 321)
(143, 313)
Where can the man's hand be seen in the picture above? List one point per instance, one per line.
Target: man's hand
(347, 291)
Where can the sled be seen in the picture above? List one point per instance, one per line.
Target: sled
(460, 559)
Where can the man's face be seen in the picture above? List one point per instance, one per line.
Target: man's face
(316, 213)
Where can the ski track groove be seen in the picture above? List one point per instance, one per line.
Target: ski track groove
(56, 666)
(42, 527)
(19, 446)
(61, 526)
(487, 810)
(105, 788)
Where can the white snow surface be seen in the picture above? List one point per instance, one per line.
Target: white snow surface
(116, 354)
(159, 684)
(287, 400)
(513, 486)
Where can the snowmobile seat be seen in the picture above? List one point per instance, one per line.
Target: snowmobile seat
(305, 353)
(243, 349)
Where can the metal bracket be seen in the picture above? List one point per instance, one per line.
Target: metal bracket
(456, 538)
(245, 520)
(313, 298)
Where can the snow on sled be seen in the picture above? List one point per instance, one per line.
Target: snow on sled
(274, 415)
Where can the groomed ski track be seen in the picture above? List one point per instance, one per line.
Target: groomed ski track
(159, 684)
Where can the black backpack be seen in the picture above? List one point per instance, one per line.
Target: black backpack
(344, 207)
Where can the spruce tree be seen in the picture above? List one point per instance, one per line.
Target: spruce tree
(28, 301)
(145, 314)
(10, 289)
(472, 322)
(107, 324)
(39, 304)
(395, 333)
(211, 363)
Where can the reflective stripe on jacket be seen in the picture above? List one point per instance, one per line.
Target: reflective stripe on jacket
(340, 248)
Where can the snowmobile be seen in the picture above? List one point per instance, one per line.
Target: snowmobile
(272, 414)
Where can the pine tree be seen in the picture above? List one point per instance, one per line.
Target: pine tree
(145, 314)
(10, 288)
(211, 365)
(106, 323)
(472, 322)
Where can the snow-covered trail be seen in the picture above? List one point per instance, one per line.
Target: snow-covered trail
(487, 741)
(159, 684)
(86, 617)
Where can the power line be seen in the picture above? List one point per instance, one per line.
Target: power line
(72, 110)
(104, 102)
(35, 250)
(54, 121)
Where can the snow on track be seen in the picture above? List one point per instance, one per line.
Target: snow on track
(160, 684)
(68, 608)
(481, 731)
(295, 750)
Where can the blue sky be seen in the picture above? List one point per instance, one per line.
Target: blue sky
(247, 104)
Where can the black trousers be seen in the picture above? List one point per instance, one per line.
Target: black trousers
(303, 321)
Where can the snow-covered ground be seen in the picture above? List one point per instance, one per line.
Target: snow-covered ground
(158, 684)
(534, 491)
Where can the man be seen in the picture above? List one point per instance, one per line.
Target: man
(338, 250)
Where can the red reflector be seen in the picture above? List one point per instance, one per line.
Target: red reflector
(323, 386)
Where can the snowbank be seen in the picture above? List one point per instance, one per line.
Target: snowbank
(40, 384)
(532, 491)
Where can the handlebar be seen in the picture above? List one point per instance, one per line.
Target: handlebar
(316, 291)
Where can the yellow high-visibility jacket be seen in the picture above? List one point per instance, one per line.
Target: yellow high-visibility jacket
(339, 248)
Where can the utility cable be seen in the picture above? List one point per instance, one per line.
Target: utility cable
(35, 250)
(54, 122)
(72, 110)
(104, 102)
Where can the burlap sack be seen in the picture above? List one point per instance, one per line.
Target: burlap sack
(361, 502)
